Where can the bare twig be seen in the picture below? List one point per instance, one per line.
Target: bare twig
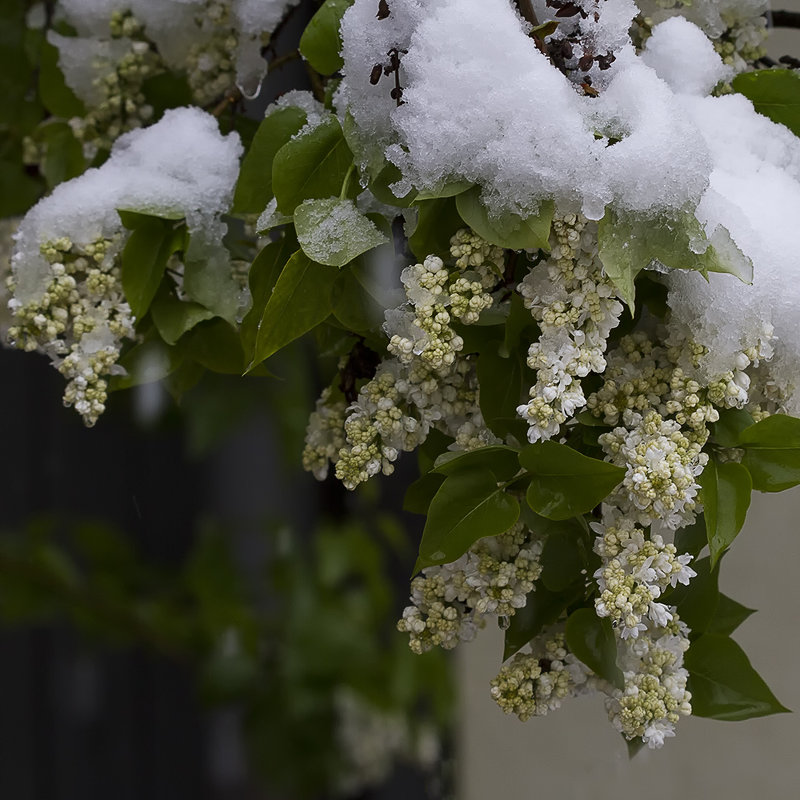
(784, 19)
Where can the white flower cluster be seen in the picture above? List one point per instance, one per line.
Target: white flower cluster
(80, 320)
(662, 416)
(8, 227)
(427, 383)
(451, 602)
(655, 695)
(324, 434)
(635, 572)
(371, 742)
(211, 62)
(537, 681)
(575, 307)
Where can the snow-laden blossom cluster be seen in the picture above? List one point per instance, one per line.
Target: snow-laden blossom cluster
(576, 308)
(67, 297)
(451, 602)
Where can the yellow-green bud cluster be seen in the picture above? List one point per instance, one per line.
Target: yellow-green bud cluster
(123, 106)
(493, 577)
(79, 320)
(211, 64)
(655, 696)
(635, 572)
(325, 433)
(531, 684)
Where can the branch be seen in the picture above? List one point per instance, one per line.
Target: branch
(529, 15)
(784, 19)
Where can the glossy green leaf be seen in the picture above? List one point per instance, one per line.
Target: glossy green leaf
(697, 603)
(334, 232)
(592, 640)
(62, 157)
(264, 272)
(216, 345)
(772, 453)
(563, 557)
(145, 257)
(501, 385)
(566, 483)
(508, 230)
(729, 615)
(210, 282)
(468, 506)
(727, 429)
(692, 538)
(628, 244)
(312, 165)
(321, 42)
(300, 300)
(500, 460)
(775, 93)
(542, 608)
(173, 317)
(419, 494)
(438, 221)
(726, 497)
(446, 189)
(380, 186)
(254, 187)
(56, 96)
(724, 684)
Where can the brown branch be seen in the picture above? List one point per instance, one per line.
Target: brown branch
(784, 19)
(232, 97)
(529, 15)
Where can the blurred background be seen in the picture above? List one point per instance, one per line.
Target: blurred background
(187, 614)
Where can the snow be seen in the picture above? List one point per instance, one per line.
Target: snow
(180, 167)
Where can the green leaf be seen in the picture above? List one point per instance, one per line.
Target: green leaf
(209, 281)
(312, 165)
(216, 345)
(56, 96)
(566, 483)
(380, 186)
(500, 460)
(772, 453)
(468, 506)
(300, 300)
(592, 640)
(321, 42)
(509, 230)
(563, 557)
(264, 273)
(419, 495)
(724, 684)
(334, 232)
(542, 608)
(697, 603)
(628, 243)
(727, 429)
(728, 616)
(446, 189)
(167, 90)
(145, 256)
(63, 155)
(775, 93)
(438, 221)
(173, 318)
(634, 746)
(726, 498)
(254, 187)
(501, 385)
(692, 538)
